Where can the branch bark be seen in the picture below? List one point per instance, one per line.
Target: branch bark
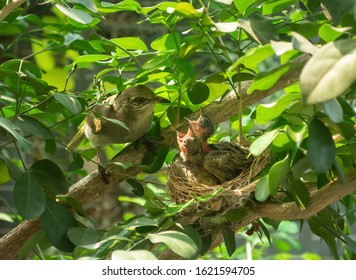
(92, 186)
(319, 200)
(9, 8)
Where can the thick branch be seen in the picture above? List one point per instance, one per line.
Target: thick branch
(90, 187)
(319, 200)
(9, 8)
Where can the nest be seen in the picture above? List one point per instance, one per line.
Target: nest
(213, 199)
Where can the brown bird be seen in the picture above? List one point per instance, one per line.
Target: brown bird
(225, 160)
(121, 118)
(190, 164)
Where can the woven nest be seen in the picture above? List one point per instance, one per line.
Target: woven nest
(208, 199)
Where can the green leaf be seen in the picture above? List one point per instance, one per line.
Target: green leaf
(75, 14)
(334, 10)
(122, 6)
(302, 44)
(187, 10)
(329, 72)
(89, 4)
(253, 57)
(262, 190)
(275, 6)
(242, 5)
(178, 242)
(4, 172)
(334, 110)
(153, 160)
(89, 58)
(267, 112)
(229, 239)
(50, 176)
(130, 43)
(260, 28)
(70, 102)
(330, 33)
(167, 42)
(56, 220)
(262, 142)
(24, 144)
(83, 236)
(117, 122)
(268, 79)
(277, 175)
(199, 93)
(137, 187)
(22, 67)
(300, 193)
(29, 197)
(321, 147)
(140, 222)
(133, 255)
(34, 127)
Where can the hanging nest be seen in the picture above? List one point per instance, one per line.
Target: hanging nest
(207, 200)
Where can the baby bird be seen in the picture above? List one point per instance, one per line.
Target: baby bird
(225, 160)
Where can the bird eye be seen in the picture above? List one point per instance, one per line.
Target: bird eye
(139, 101)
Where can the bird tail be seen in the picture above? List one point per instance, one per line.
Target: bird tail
(77, 139)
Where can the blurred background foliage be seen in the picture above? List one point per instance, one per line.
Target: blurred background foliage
(58, 58)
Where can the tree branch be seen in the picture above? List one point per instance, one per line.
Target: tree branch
(319, 200)
(92, 186)
(9, 8)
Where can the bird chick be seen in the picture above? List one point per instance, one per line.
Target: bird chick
(190, 164)
(225, 160)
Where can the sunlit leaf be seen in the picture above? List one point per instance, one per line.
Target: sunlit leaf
(242, 5)
(130, 43)
(267, 112)
(329, 72)
(187, 10)
(133, 255)
(300, 43)
(75, 14)
(330, 33)
(262, 190)
(89, 4)
(277, 175)
(178, 242)
(4, 172)
(262, 142)
(271, 7)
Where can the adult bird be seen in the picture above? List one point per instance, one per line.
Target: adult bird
(121, 118)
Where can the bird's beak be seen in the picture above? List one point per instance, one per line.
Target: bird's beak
(159, 99)
(194, 127)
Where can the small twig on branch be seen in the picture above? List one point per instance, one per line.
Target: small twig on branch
(9, 8)
(92, 186)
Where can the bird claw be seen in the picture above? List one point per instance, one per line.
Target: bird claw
(104, 174)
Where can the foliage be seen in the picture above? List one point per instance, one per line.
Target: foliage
(204, 49)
